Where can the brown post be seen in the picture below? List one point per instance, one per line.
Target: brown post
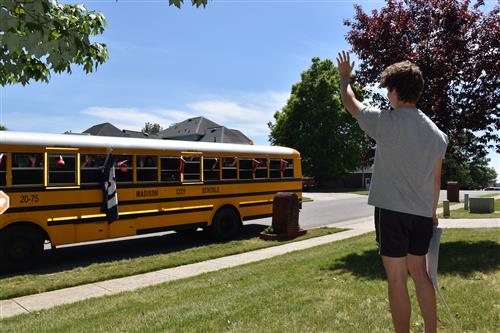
(286, 213)
(452, 192)
(285, 217)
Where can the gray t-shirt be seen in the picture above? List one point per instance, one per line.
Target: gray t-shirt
(408, 147)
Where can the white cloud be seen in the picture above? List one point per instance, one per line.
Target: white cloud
(249, 112)
(135, 118)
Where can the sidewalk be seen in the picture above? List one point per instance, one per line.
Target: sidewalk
(36, 302)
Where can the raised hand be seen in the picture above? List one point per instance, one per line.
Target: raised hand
(344, 65)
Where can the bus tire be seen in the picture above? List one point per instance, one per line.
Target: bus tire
(226, 224)
(20, 248)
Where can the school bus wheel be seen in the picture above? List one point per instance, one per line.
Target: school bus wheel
(226, 224)
(20, 248)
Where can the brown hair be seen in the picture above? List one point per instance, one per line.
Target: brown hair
(406, 78)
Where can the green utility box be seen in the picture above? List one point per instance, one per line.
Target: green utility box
(481, 205)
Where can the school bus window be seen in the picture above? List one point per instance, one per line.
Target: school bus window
(147, 170)
(274, 166)
(90, 168)
(192, 168)
(62, 169)
(27, 169)
(211, 168)
(123, 168)
(288, 172)
(229, 168)
(246, 168)
(170, 169)
(3, 169)
(260, 167)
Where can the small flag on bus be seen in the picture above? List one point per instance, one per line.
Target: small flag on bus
(255, 165)
(110, 196)
(215, 164)
(182, 164)
(283, 165)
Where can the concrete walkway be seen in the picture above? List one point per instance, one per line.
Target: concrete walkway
(36, 302)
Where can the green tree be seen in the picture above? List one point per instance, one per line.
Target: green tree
(472, 175)
(178, 3)
(3, 128)
(152, 128)
(40, 36)
(315, 123)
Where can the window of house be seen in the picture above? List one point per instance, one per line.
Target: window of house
(27, 169)
(192, 168)
(62, 169)
(123, 168)
(211, 168)
(260, 167)
(170, 169)
(3, 169)
(229, 168)
(91, 168)
(246, 168)
(147, 170)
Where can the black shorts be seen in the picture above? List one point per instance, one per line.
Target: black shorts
(399, 234)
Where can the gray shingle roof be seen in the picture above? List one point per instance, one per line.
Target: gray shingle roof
(137, 134)
(223, 134)
(104, 129)
(191, 126)
(193, 129)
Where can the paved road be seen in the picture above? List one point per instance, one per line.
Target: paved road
(329, 209)
(332, 208)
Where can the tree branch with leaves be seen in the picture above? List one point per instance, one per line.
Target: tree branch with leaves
(38, 37)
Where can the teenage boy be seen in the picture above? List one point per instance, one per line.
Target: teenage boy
(405, 184)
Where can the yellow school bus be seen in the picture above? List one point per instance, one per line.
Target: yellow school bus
(55, 193)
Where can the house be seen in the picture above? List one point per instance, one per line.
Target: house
(193, 129)
(203, 130)
(107, 129)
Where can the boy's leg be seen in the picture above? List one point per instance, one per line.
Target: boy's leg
(399, 300)
(425, 291)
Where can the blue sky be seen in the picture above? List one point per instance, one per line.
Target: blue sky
(233, 62)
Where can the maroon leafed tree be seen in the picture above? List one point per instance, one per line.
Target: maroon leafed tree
(456, 44)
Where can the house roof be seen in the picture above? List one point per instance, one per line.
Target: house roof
(223, 134)
(193, 129)
(104, 129)
(238, 135)
(137, 134)
(107, 129)
(191, 126)
(203, 130)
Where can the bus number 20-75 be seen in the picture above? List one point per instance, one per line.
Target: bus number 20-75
(30, 198)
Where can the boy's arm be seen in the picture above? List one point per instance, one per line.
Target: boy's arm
(346, 94)
(437, 188)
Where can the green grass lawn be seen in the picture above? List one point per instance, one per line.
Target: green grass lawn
(338, 287)
(464, 214)
(27, 284)
(489, 195)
